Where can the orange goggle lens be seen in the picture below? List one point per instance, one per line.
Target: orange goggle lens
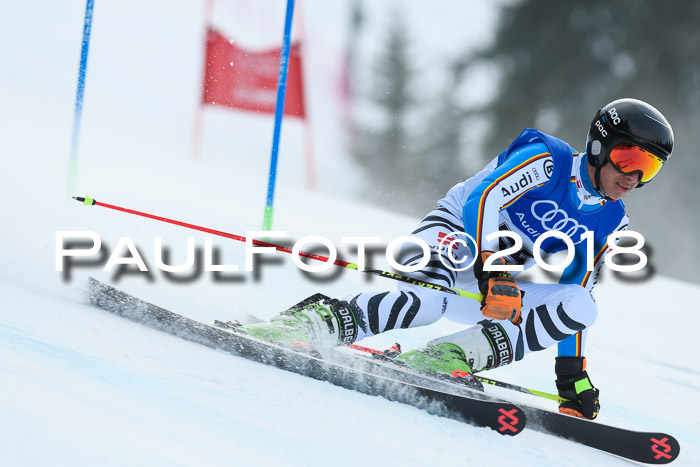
(628, 159)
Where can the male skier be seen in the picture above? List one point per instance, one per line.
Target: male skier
(539, 184)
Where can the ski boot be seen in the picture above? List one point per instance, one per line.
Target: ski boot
(443, 360)
(461, 355)
(318, 322)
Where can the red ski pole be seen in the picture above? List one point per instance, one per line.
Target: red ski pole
(377, 272)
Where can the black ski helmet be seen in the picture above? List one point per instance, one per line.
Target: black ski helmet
(628, 121)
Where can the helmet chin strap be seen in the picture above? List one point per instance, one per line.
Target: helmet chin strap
(597, 185)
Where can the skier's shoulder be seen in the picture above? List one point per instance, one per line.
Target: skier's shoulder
(531, 135)
(532, 143)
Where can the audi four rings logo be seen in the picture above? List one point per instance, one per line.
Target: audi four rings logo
(558, 219)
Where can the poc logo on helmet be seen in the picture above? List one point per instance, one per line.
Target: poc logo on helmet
(613, 115)
(602, 130)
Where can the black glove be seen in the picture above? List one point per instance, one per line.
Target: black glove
(575, 386)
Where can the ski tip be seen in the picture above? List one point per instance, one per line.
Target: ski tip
(664, 449)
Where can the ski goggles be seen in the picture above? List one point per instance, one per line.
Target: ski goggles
(629, 159)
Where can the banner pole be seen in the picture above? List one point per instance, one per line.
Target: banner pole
(279, 109)
(198, 126)
(78, 112)
(309, 158)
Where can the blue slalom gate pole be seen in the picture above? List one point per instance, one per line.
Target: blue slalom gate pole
(279, 109)
(78, 113)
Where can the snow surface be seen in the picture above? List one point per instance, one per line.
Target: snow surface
(79, 386)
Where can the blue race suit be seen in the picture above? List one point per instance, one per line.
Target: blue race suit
(539, 184)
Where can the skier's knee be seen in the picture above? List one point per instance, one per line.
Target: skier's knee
(578, 306)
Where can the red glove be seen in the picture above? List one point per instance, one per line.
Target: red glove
(502, 297)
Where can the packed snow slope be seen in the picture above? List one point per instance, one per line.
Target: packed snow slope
(79, 386)
(83, 387)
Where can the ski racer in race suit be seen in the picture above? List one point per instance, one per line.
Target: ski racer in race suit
(538, 184)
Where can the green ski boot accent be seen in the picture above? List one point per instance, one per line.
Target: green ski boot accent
(318, 321)
(442, 360)
(280, 330)
(437, 358)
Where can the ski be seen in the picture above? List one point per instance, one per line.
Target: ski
(380, 377)
(437, 399)
(646, 447)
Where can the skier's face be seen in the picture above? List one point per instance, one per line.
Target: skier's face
(615, 183)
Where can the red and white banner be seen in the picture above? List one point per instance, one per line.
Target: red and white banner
(239, 79)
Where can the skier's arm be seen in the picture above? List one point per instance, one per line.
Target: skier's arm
(577, 273)
(520, 173)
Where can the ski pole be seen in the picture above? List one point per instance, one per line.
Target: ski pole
(377, 272)
(513, 387)
(523, 389)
